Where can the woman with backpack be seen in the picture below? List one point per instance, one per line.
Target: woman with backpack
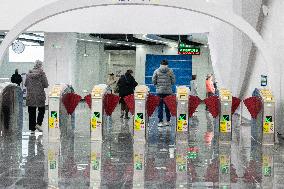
(126, 85)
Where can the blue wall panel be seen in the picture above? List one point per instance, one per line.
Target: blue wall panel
(181, 65)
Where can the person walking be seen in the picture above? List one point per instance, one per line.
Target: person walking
(16, 78)
(126, 85)
(35, 83)
(163, 79)
(193, 86)
(111, 82)
(210, 90)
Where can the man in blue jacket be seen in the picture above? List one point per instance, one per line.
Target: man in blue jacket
(163, 78)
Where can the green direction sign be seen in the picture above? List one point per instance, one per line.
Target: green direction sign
(225, 169)
(139, 116)
(52, 164)
(181, 167)
(182, 117)
(95, 165)
(267, 171)
(53, 114)
(225, 118)
(96, 115)
(138, 166)
(268, 119)
(191, 155)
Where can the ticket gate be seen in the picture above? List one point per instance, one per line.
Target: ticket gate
(182, 114)
(97, 112)
(58, 119)
(95, 164)
(225, 127)
(11, 107)
(138, 164)
(265, 127)
(140, 114)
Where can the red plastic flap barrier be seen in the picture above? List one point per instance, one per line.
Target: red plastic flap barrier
(213, 105)
(194, 102)
(152, 102)
(88, 100)
(171, 103)
(235, 104)
(110, 103)
(253, 105)
(251, 175)
(129, 100)
(70, 101)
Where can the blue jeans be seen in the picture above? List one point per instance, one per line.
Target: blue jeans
(161, 108)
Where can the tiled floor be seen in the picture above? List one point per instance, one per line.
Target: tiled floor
(75, 162)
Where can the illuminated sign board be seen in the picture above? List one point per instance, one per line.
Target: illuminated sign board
(188, 49)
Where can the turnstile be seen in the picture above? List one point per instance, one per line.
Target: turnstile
(58, 120)
(265, 126)
(97, 112)
(140, 115)
(182, 114)
(11, 107)
(225, 127)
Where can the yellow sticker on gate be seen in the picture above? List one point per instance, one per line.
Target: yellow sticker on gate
(266, 127)
(51, 122)
(93, 156)
(51, 155)
(180, 125)
(137, 125)
(223, 126)
(94, 123)
(224, 160)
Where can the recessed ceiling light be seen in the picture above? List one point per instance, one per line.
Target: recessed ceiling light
(109, 42)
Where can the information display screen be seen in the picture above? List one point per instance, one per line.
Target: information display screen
(182, 117)
(53, 114)
(188, 49)
(140, 116)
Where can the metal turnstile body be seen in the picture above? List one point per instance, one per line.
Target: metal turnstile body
(224, 165)
(225, 127)
(182, 114)
(138, 164)
(11, 107)
(140, 115)
(95, 164)
(266, 118)
(53, 164)
(58, 120)
(97, 112)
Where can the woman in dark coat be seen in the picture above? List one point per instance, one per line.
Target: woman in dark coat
(126, 85)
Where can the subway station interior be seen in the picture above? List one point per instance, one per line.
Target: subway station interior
(132, 94)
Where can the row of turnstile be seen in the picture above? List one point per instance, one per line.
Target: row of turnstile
(58, 115)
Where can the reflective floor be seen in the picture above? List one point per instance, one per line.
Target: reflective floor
(162, 162)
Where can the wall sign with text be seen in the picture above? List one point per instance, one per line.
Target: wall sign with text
(188, 49)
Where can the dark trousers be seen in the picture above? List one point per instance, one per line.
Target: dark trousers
(124, 107)
(208, 94)
(33, 120)
(161, 108)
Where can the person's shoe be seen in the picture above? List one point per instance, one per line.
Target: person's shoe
(39, 128)
(32, 133)
(127, 117)
(121, 116)
(160, 124)
(167, 123)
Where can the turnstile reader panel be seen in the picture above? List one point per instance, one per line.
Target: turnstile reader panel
(225, 127)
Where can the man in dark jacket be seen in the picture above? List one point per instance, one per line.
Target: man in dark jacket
(163, 78)
(16, 78)
(126, 85)
(36, 81)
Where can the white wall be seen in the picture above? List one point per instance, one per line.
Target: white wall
(60, 57)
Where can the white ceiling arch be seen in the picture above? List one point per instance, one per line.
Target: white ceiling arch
(63, 6)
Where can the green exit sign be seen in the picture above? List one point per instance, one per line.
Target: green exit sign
(188, 49)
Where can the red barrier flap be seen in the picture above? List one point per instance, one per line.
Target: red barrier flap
(251, 175)
(213, 105)
(110, 103)
(129, 100)
(171, 103)
(70, 101)
(88, 100)
(253, 105)
(193, 103)
(152, 103)
(235, 104)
